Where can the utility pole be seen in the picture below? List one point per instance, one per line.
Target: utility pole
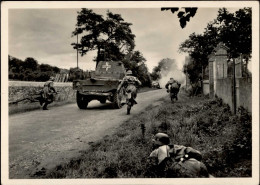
(77, 52)
(202, 77)
(234, 86)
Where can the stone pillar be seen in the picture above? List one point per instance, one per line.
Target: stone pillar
(221, 61)
(238, 67)
(211, 76)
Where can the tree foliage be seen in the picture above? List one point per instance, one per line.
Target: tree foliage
(30, 70)
(184, 14)
(113, 40)
(232, 29)
(135, 62)
(111, 37)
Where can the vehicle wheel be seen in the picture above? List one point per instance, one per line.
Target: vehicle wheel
(103, 101)
(117, 99)
(82, 101)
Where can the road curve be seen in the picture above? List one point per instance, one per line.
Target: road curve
(44, 139)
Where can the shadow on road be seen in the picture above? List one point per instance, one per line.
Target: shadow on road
(102, 106)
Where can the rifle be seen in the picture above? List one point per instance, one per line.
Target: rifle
(32, 98)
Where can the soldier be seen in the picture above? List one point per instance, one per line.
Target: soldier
(173, 86)
(175, 160)
(170, 82)
(130, 82)
(47, 93)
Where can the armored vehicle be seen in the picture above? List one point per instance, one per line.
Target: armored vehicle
(102, 85)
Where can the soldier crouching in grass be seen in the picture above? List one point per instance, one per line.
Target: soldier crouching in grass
(174, 161)
(47, 93)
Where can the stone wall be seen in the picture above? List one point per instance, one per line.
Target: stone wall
(205, 87)
(20, 90)
(244, 93)
(224, 91)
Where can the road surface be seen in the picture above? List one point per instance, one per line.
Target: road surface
(41, 140)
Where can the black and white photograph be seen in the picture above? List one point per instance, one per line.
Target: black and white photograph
(118, 92)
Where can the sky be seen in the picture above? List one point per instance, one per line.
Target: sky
(46, 34)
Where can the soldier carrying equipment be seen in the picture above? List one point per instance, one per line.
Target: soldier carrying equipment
(130, 82)
(170, 161)
(173, 88)
(47, 93)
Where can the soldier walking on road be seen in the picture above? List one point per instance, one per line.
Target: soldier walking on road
(47, 93)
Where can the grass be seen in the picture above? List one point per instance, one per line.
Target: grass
(207, 125)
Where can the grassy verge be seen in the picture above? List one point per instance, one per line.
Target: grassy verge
(206, 125)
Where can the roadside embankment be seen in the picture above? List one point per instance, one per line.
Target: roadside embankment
(207, 125)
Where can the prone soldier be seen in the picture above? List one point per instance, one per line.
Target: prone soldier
(171, 161)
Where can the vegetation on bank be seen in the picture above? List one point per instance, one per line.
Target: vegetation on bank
(207, 125)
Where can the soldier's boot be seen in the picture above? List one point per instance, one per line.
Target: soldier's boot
(41, 101)
(128, 109)
(45, 106)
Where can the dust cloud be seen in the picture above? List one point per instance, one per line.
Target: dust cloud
(171, 70)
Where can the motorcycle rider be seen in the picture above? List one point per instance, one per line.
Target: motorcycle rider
(47, 93)
(169, 160)
(130, 82)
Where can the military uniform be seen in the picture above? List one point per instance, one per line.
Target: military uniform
(177, 161)
(173, 87)
(47, 93)
(130, 82)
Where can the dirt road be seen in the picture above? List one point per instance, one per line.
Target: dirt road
(40, 140)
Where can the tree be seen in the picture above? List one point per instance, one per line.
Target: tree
(136, 62)
(14, 64)
(30, 63)
(184, 14)
(233, 29)
(30, 70)
(112, 38)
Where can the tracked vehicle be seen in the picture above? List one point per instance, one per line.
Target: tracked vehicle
(102, 85)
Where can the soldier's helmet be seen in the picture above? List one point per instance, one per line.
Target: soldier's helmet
(161, 139)
(51, 78)
(129, 72)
